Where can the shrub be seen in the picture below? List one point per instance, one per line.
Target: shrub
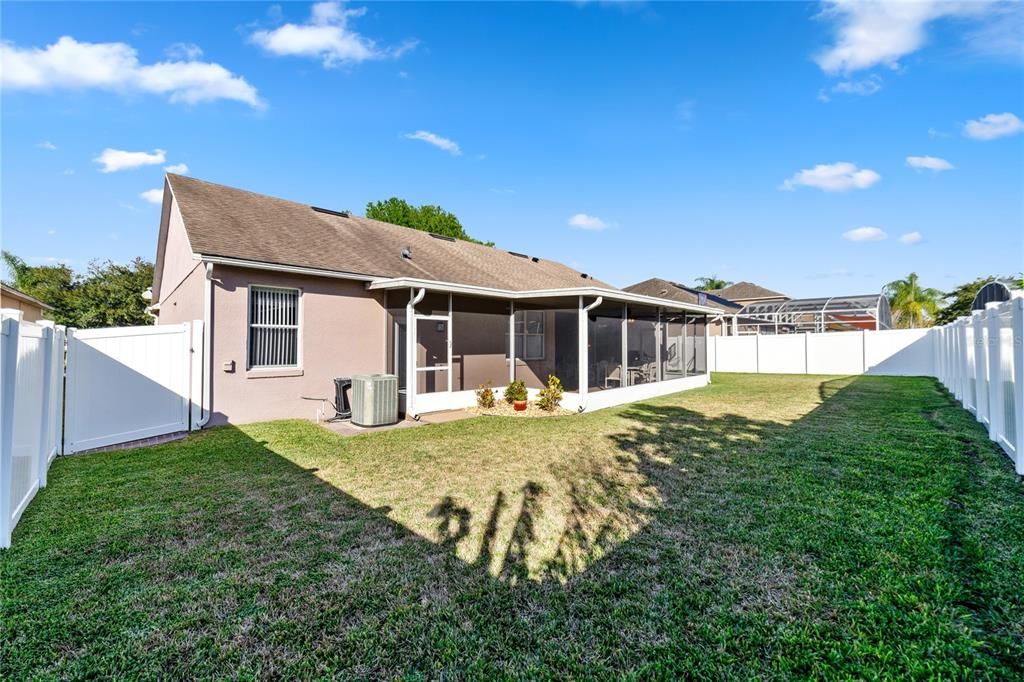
(485, 396)
(550, 396)
(515, 391)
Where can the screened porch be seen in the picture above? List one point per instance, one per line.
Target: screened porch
(604, 351)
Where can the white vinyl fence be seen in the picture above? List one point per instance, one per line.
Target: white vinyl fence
(126, 383)
(67, 392)
(980, 359)
(32, 369)
(896, 352)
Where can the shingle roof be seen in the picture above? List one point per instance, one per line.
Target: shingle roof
(8, 290)
(663, 288)
(233, 223)
(746, 290)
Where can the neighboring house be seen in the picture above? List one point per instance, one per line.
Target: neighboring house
(32, 309)
(747, 308)
(745, 293)
(663, 288)
(293, 296)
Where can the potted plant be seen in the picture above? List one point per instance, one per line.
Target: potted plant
(515, 394)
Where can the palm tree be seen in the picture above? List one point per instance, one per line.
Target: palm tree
(911, 305)
(710, 283)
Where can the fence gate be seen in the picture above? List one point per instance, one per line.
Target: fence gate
(126, 383)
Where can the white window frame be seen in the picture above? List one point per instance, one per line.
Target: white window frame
(249, 325)
(521, 345)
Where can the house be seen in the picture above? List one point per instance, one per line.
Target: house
(663, 288)
(293, 295)
(745, 293)
(747, 308)
(32, 309)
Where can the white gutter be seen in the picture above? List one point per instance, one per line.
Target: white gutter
(207, 360)
(583, 350)
(410, 351)
(292, 269)
(473, 290)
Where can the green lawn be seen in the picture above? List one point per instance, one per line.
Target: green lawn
(764, 526)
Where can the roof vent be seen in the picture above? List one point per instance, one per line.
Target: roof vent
(441, 236)
(341, 214)
(407, 252)
(535, 259)
(518, 255)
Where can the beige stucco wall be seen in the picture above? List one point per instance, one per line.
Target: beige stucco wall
(177, 257)
(342, 332)
(184, 303)
(30, 312)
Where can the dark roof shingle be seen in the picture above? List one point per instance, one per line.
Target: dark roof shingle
(663, 288)
(746, 290)
(234, 223)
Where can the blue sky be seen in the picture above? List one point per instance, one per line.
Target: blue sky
(760, 142)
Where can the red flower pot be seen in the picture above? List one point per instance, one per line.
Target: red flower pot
(519, 405)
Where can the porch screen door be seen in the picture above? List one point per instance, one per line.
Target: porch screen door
(433, 354)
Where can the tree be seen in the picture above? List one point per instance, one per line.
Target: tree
(51, 284)
(911, 305)
(107, 295)
(427, 218)
(959, 300)
(110, 295)
(710, 283)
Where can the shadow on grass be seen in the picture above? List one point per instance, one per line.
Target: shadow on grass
(701, 545)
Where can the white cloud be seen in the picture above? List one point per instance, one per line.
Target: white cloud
(993, 125)
(177, 168)
(587, 222)
(450, 146)
(153, 196)
(864, 234)
(188, 52)
(833, 177)
(69, 171)
(47, 145)
(863, 88)
(935, 133)
(113, 160)
(911, 238)
(115, 67)
(932, 163)
(881, 32)
(328, 37)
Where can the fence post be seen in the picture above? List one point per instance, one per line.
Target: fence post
(9, 370)
(963, 362)
(197, 378)
(44, 423)
(995, 395)
(982, 409)
(863, 351)
(1017, 325)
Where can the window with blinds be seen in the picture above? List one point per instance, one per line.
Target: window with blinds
(273, 327)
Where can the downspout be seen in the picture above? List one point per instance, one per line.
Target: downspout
(410, 352)
(584, 352)
(207, 360)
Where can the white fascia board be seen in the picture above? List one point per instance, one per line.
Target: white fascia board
(292, 269)
(473, 290)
